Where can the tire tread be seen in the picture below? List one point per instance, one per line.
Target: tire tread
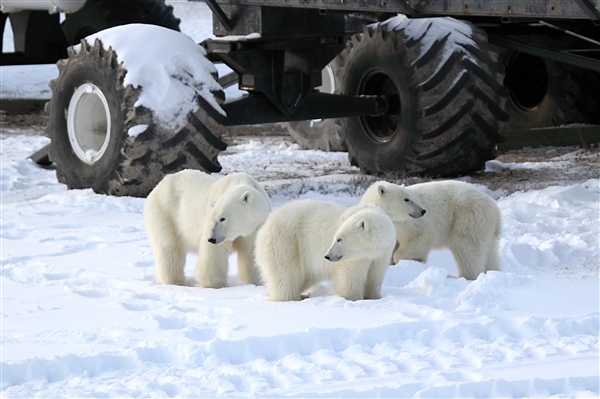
(143, 160)
(457, 99)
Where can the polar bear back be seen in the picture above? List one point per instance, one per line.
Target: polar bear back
(453, 206)
(303, 230)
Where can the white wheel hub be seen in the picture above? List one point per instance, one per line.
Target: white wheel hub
(327, 80)
(88, 123)
(327, 85)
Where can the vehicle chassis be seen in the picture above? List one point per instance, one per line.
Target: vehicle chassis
(278, 49)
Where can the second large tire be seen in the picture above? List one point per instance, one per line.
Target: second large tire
(444, 88)
(545, 93)
(101, 140)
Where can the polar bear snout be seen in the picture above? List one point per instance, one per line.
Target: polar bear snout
(334, 254)
(216, 237)
(333, 258)
(216, 240)
(417, 213)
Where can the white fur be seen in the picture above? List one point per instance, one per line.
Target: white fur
(458, 217)
(293, 244)
(189, 208)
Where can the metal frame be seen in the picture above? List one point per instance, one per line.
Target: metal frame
(291, 42)
(394, 6)
(508, 9)
(566, 57)
(254, 109)
(554, 9)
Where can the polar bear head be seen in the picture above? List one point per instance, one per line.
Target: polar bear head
(395, 200)
(239, 212)
(366, 232)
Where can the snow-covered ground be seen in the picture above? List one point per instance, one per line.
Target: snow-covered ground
(81, 316)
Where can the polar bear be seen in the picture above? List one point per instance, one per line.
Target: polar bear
(459, 217)
(191, 211)
(308, 241)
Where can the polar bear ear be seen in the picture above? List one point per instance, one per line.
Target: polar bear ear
(381, 189)
(246, 197)
(362, 224)
(211, 204)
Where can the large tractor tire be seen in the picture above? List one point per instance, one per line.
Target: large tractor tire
(97, 15)
(101, 140)
(546, 93)
(444, 88)
(321, 134)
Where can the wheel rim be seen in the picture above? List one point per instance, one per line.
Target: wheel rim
(88, 123)
(328, 85)
(381, 128)
(527, 79)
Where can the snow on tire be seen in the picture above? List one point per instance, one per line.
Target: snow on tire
(102, 138)
(444, 87)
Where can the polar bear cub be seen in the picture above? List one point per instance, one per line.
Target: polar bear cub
(191, 211)
(308, 241)
(459, 217)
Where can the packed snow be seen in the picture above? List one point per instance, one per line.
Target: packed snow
(82, 316)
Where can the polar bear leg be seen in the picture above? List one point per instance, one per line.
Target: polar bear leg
(285, 279)
(170, 263)
(493, 256)
(469, 257)
(349, 279)
(211, 269)
(279, 261)
(167, 246)
(375, 278)
(474, 237)
(247, 269)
